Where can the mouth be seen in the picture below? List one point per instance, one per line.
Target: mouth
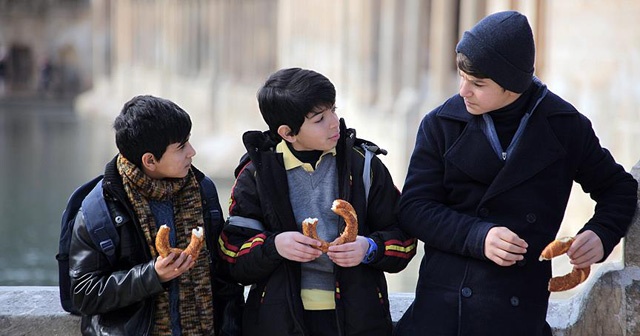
(335, 136)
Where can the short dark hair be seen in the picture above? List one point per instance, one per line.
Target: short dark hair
(465, 65)
(150, 124)
(289, 95)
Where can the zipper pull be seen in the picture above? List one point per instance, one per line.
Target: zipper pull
(504, 156)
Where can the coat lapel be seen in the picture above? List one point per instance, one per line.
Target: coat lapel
(473, 155)
(538, 148)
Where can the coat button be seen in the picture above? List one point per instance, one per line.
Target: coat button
(484, 212)
(521, 262)
(118, 219)
(466, 292)
(531, 218)
(515, 301)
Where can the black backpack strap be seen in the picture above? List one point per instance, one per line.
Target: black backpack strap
(99, 223)
(211, 202)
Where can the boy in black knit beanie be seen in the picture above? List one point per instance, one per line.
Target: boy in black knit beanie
(487, 187)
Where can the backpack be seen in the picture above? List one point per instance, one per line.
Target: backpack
(101, 226)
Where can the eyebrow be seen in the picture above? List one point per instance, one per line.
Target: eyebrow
(315, 113)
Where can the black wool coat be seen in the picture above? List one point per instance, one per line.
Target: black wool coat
(457, 188)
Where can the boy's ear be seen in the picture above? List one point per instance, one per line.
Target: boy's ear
(149, 161)
(286, 133)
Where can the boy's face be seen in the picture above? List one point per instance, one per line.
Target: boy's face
(482, 95)
(320, 131)
(175, 162)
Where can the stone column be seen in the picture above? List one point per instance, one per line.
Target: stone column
(632, 265)
(632, 239)
(442, 43)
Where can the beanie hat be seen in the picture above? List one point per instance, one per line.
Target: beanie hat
(501, 46)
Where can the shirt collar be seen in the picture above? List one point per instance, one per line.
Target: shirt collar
(291, 161)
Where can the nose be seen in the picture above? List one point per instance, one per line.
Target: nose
(192, 151)
(336, 121)
(464, 88)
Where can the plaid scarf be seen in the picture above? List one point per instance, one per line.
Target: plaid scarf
(196, 309)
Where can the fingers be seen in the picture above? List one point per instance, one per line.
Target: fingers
(349, 254)
(509, 238)
(295, 246)
(302, 239)
(173, 265)
(586, 250)
(183, 263)
(504, 247)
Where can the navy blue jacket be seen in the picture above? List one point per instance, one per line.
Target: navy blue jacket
(457, 188)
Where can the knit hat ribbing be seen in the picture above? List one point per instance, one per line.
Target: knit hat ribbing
(501, 46)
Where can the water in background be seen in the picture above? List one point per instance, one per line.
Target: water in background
(46, 151)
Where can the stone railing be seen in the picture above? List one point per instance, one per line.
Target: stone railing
(609, 304)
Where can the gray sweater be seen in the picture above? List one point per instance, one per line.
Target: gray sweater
(311, 195)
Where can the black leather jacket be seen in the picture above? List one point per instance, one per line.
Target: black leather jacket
(120, 300)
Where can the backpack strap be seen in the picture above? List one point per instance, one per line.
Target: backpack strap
(366, 171)
(370, 150)
(99, 223)
(210, 198)
(211, 212)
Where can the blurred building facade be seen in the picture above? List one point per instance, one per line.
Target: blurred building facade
(392, 61)
(45, 48)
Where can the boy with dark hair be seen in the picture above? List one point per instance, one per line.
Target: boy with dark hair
(487, 187)
(152, 182)
(294, 171)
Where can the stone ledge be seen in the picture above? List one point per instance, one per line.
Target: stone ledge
(27, 310)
